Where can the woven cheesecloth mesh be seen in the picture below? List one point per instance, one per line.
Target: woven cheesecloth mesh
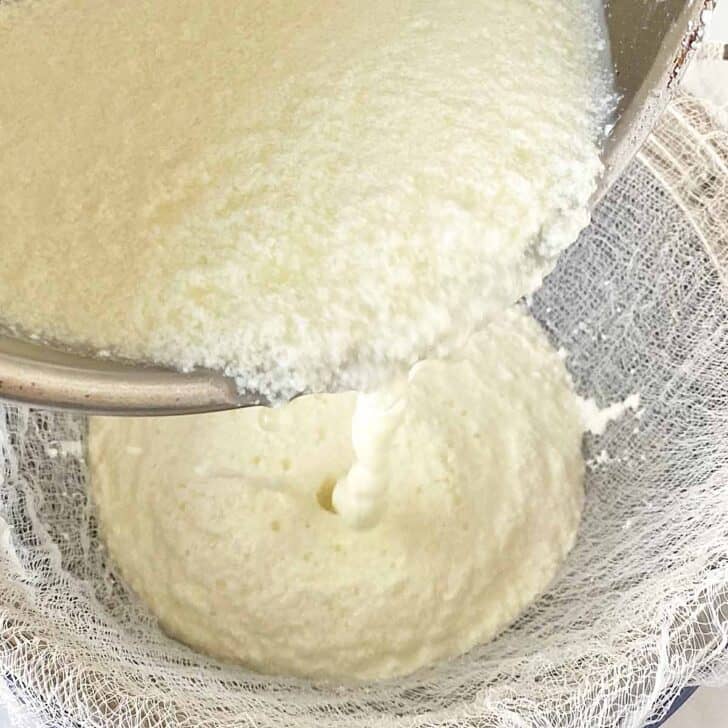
(640, 608)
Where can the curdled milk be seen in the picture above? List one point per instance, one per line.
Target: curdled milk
(307, 195)
(226, 524)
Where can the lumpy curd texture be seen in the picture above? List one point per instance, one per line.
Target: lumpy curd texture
(226, 525)
(307, 195)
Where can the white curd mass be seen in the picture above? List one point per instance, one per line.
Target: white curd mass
(227, 524)
(307, 195)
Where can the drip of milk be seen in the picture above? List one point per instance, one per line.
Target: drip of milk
(360, 496)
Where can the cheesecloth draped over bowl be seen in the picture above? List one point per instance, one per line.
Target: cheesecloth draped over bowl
(641, 606)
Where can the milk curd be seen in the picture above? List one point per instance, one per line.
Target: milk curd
(307, 195)
(226, 525)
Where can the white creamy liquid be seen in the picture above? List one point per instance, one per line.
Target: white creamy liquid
(224, 523)
(305, 194)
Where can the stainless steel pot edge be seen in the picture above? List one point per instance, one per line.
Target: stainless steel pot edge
(78, 383)
(644, 104)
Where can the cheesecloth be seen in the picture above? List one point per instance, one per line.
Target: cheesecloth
(641, 607)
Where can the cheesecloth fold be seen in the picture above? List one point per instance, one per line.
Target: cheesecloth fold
(640, 609)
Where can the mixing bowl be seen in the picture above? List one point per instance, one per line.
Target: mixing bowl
(651, 44)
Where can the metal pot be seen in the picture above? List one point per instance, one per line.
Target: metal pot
(651, 44)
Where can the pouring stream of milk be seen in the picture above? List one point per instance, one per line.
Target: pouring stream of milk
(360, 496)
